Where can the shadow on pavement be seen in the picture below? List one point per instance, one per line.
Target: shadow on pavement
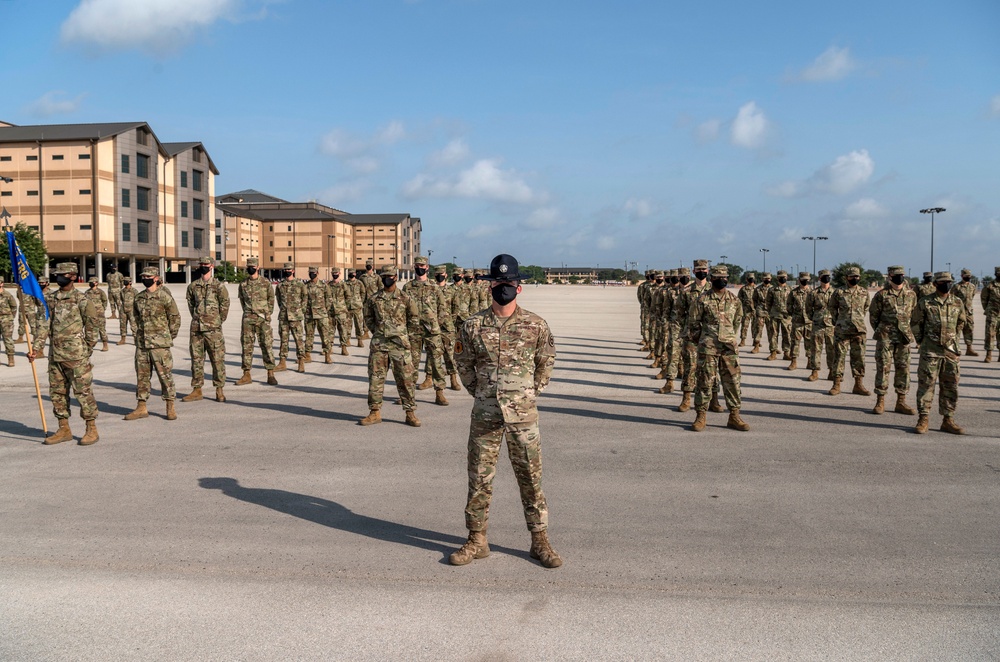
(332, 514)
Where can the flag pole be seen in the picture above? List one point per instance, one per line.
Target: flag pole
(38, 389)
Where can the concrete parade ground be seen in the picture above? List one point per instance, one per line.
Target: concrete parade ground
(272, 527)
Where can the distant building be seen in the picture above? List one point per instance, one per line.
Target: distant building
(103, 193)
(566, 274)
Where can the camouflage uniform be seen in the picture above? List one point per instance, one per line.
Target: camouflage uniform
(425, 330)
(317, 314)
(654, 318)
(257, 299)
(890, 313)
(712, 326)
(483, 290)
(100, 301)
(680, 305)
(339, 296)
(966, 291)
(749, 320)
(116, 282)
(27, 306)
(462, 302)
(505, 365)
(291, 297)
(779, 321)
(8, 312)
(389, 315)
(990, 298)
(157, 322)
(801, 322)
(689, 352)
(73, 332)
(370, 280)
(848, 306)
(818, 310)
(760, 308)
(446, 296)
(642, 294)
(208, 303)
(936, 325)
(356, 306)
(926, 288)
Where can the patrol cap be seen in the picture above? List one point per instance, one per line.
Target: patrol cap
(897, 270)
(767, 274)
(43, 280)
(824, 272)
(369, 263)
(672, 273)
(253, 262)
(782, 272)
(853, 271)
(683, 271)
(388, 270)
(700, 264)
(420, 259)
(335, 270)
(503, 268)
(288, 265)
(151, 271)
(804, 275)
(943, 277)
(92, 280)
(928, 274)
(751, 274)
(441, 269)
(313, 269)
(719, 271)
(480, 272)
(459, 270)
(658, 274)
(206, 261)
(966, 272)
(128, 280)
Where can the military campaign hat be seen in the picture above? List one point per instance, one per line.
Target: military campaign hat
(897, 270)
(253, 262)
(93, 280)
(782, 272)
(700, 264)
(288, 265)
(824, 272)
(388, 270)
(503, 268)
(420, 259)
(720, 271)
(206, 261)
(804, 274)
(853, 271)
(151, 271)
(943, 277)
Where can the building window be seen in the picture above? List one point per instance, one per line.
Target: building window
(184, 179)
(289, 243)
(6, 194)
(126, 197)
(144, 232)
(270, 228)
(142, 166)
(199, 239)
(59, 192)
(196, 177)
(126, 232)
(83, 157)
(218, 222)
(4, 158)
(184, 209)
(218, 240)
(142, 198)
(289, 228)
(289, 258)
(86, 226)
(271, 244)
(218, 255)
(58, 227)
(32, 157)
(197, 211)
(184, 238)
(85, 191)
(272, 258)
(125, 164)
(142, 136)
(57, 157)
(35, 193)
(196, 155)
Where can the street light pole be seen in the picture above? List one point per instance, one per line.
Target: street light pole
(932, 211)
(814, 240)
(765, 251)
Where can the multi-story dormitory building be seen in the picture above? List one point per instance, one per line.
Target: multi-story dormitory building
(310, 234)
(103, 193)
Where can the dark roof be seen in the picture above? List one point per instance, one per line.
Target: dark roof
(300, 211)
(173, 149)
(58, 132)
(364, 219)
(247, 196)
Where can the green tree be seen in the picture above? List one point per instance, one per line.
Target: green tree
(31, 245)
(839, 273)
(574, 280)
(532, 273)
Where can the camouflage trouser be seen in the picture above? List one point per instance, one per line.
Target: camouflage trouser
(898, 355)
(259, 329)
(857, 344)
(325, 333)
(936, 361)
(801, 332)
(432, 344)
(448, 352)
(689, 363)
(23, 324)
(295, 326)
(115, 299)
(213, 343)
(342, 325)
(79, 375)
(674, 348)
(7, 334)
(355, 318)
(820, 338)
(101, 322)
(659, 338)
(124, 321)
(992, 333)
(760, 327)
(749, 321)
(782, 325)
(380, 358)
(969, 327)
(161, 360)
(713, 367)
(524, 448)
(644, 324)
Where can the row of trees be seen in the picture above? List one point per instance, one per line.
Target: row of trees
(31, 245)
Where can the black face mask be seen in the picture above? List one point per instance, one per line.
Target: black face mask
(942, 287)
(897, 279)
(420, 271)
(720, 283)
(781, 280)
(441, 278)
(674, 280)
(204, 270)
(750, 281)
(967, 278)
(350, 277)
(368, 268)
(824, 279)
(388, 281)
(93, 285)
(114, 268)
(803, 283)
(147, 282)
(504, 293)
(658, 281)
(251, 270)
(313, 275)
(288, 274)
(701, 275)
(62, 280)
(467, 279)
(456, 278)
(853, 281)
(927, 280)
(335, 277)
(685, 280)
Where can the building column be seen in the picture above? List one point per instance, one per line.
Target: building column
(163, 269)
(131, 268)
(187, 273)
(83, 267)
(99, 264)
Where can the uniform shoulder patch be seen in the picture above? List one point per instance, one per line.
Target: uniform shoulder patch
(458, 347)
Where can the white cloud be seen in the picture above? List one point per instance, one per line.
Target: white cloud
(750, 127)
(350, 190)
(787, 189)
(605, 243)
(391, 133)
(638, 208)
(845, 174)
(157, 26)
(995, 106)
(832, 64)
(708, 130)
(54, 103)
(361, 154)
(486, 230)
(483, 180)
(866, 208)
(451, 154)
(542, 218)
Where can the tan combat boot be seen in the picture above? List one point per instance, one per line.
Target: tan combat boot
(122, 341)
(835, 389)
(989, 357)
(542, 551)
(412, 420)
(794, 365)
(245, 379)
(662, 374)
(301, 367)
(829, 376)
(308, 357)
(859, 387)
(649, 356)
(756, 348)
(949, 425)
(714, 406)
(786, 356)
(902, 407)
(327, 358)
(90, 436)
(366, 336)
(104, 348)
(60, 435)
(171, 411)
(455, 384)
(194, 396)
(476, 547)
(668, 387)
(969, 351)
(373, 417)
(773, 356)
(360, 344)
(271, 381)
(879, 405)
(20, 339)
(735, 422)
(685, 402)
(699, 421)
(813, 376)
(140, 411)
(220, 396)
(10, 360)
(439, 398)
(426, 384)
(922, 424)
(281, 367)
(343, 351)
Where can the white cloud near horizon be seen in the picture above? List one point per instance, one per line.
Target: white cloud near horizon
(832, 64)
(361, 154)
(750, 127)
(995, 106)
(451, 154)
(866, 208)
(54, 103)
(349, 190)
(483, 180)
(845, 174)
(638, 208)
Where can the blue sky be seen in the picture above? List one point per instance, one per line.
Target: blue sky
(562, 132)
